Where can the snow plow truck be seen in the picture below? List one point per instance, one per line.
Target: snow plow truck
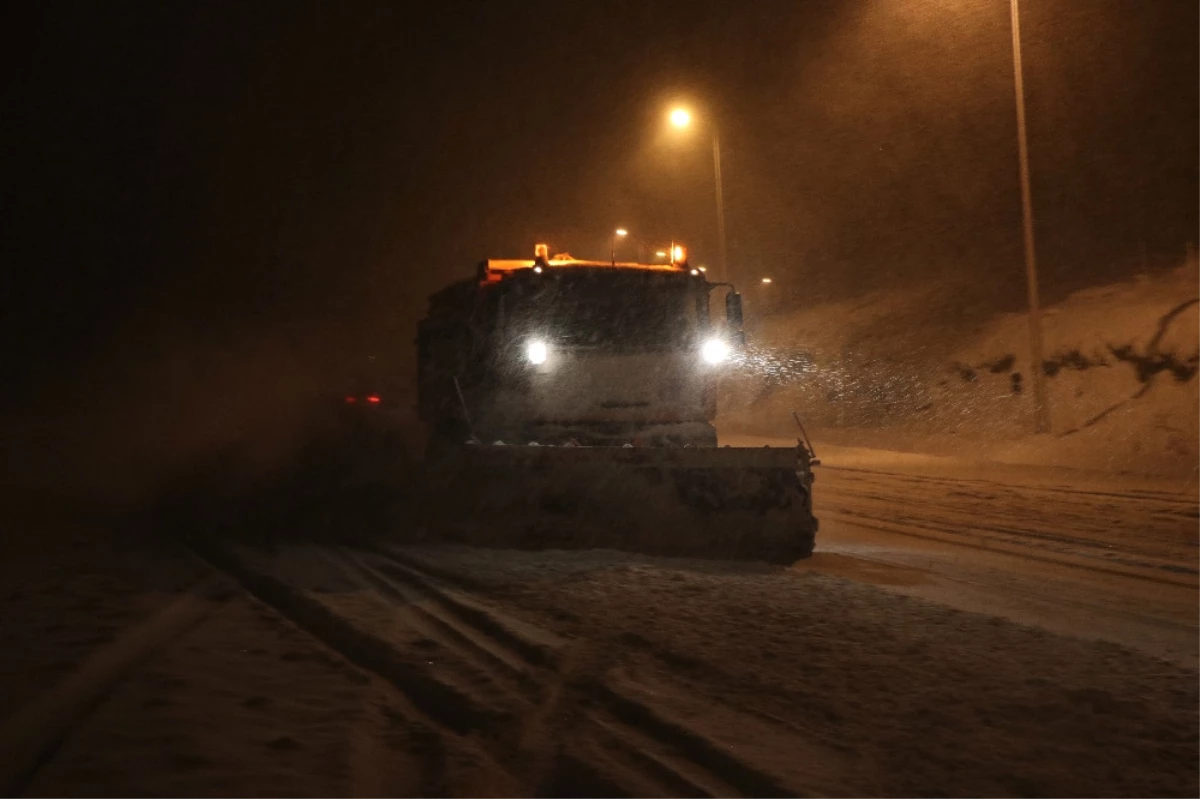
(570, 404)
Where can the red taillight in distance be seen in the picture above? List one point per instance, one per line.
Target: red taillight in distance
(373, 399)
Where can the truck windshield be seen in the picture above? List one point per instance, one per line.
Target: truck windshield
(627, 312)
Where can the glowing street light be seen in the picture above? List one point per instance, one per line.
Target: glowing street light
(619, 233)
(766, 280)
(660, 254)
(682, 118)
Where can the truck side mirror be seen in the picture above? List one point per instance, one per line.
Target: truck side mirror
(733, 310)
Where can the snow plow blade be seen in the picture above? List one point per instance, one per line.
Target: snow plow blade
(737, 503)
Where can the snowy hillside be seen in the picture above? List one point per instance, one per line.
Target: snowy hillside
(921, 370)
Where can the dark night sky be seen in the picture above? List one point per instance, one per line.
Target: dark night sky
(221, 174)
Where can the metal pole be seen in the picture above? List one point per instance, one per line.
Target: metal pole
(613, 248)
(720, 205)
(1041, 406)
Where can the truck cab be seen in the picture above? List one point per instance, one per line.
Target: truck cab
(560, 350)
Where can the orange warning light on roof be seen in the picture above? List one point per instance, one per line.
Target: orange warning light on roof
(494, 269)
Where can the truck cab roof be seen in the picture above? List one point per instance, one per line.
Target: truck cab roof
(494, 270)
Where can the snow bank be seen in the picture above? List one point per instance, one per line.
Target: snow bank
(1120, 364)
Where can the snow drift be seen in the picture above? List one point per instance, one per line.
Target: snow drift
(931, 369)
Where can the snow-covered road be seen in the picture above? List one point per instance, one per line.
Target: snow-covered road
(1084, 554)
(960, 631)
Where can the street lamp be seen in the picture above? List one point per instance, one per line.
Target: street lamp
(766, 280)
(1041, 405)
(682, 118)
(619, 233)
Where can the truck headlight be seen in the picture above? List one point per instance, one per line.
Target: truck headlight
(536, 351)
(714, 350)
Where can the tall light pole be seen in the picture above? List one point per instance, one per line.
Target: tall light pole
(1041, 405)
(619, 233)
(682, 118)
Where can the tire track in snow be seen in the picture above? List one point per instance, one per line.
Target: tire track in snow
(1150, 538)
(655, 722)
(30, 736)
(633, 737)
(537, 704)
